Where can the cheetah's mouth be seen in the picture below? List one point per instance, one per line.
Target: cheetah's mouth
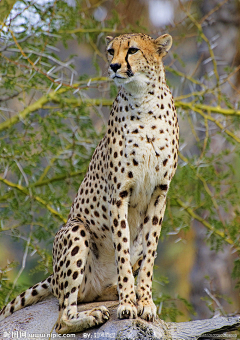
(129, 74)
(119, 77)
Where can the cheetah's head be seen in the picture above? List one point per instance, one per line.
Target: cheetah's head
(134, 58)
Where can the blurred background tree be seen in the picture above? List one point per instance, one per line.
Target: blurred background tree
(54, 106)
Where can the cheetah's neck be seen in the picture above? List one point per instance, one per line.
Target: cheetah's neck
(138, 90)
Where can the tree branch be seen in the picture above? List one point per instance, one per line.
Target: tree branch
(205, 223)
(58, 178)
(54, 96)
(5, 9)
(199, 107)
(24, 191)
(43, 316)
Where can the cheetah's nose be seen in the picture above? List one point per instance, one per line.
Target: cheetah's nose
(115, 67)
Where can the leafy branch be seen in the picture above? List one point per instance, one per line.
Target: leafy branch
(53, 96)
(209, 226)
(26, 192)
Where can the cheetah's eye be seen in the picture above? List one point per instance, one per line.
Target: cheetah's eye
(132, 50)
(111, 51)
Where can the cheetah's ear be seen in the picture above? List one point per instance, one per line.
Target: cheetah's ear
(108, 39)
(163, 44)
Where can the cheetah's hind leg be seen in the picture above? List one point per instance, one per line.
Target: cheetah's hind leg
(71, 251)
(72, 321)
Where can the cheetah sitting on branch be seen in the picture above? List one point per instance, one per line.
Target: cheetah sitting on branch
(115, 220)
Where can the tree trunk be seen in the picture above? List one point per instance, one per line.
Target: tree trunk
(39, 320)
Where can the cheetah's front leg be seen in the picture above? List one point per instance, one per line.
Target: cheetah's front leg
(151, 231)
(121, 238)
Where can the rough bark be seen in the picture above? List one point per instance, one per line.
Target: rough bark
(41, 318)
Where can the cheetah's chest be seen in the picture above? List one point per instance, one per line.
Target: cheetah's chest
(147, 162)
(148, 153)
(147, 176)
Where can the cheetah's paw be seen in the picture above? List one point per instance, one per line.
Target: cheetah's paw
(147, 311)
(100, 315)
(127, 311)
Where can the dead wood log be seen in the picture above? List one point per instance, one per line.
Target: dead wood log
(38, 321)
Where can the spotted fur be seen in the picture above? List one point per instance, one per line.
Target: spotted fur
(115, 220)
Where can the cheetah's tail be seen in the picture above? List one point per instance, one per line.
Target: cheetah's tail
(31, 296)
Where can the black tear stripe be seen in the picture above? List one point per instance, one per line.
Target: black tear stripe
(129, 70)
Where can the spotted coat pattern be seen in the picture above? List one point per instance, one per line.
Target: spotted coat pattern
(115, 220)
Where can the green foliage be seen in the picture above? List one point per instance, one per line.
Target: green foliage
(169, 308)
(47, 135)
(5, 285)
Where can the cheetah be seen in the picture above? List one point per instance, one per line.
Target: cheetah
(114, 224)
